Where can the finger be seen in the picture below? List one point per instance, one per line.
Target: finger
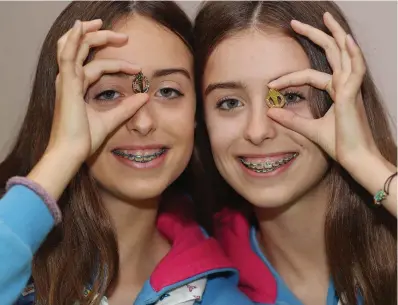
(95, 69)
(291, 120)
(314, 78)
(68, 54)
(340, 36)
(87, 26)
(355, 79)
(323, 40)
(124, 111)
(91, 25)
(97, 39)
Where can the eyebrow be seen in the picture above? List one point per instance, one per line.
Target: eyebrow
(165, 72)
(156, 74)
(236, 85)
(226, 85)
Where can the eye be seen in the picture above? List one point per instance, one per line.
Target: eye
(107, 95)
(293, 97)
(229, 104)
(168, 93)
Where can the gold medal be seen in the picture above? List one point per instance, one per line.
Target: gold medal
(140, 83)
(275, 99)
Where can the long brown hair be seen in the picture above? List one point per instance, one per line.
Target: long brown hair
(360, 241)
(83, 248)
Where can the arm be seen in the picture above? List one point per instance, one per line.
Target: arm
(76, 133)
(25, 221)
(372, 172)
(344, 132)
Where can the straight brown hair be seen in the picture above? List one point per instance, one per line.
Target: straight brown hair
(83, 248)
(360, 241)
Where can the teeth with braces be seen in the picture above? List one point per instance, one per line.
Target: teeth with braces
(140, 158)
(268, 166)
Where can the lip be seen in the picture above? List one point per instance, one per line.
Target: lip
(270, 157)
(153, 164)
(139, 147)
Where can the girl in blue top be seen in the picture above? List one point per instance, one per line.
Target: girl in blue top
(308, 230)
(108, 131)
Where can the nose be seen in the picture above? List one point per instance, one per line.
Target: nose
(259, 126)
(142, 122)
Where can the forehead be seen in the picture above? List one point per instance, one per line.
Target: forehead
(253, 55)
(150, 45)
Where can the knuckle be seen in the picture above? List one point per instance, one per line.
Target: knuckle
(87, 39)
(309, 78)
(85, 45)
(330, 44)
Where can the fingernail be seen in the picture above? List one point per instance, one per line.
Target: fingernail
(350, 39)
(77, 23)
(144, 96)
(271, 84)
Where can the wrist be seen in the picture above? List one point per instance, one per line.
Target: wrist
(55, 170)
(371, 171)
(66, 152)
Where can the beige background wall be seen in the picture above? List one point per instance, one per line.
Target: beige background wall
(23, 26)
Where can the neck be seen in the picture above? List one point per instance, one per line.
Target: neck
(140, 245)
(292, 237)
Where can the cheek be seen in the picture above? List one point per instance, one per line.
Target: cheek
(178, 120)
(223, 132)
(98, 164)
(317, 156)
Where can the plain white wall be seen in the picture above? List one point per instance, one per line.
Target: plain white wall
(23, 26)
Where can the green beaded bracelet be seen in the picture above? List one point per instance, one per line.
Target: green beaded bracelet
(383, 193)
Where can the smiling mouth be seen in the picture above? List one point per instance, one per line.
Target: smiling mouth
(267, 165)
(139, 157)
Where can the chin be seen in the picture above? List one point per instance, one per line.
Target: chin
(270, 197)
(137, 193)
(134, 190)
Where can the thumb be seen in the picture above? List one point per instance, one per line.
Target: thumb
(125, 110)
(293, 121)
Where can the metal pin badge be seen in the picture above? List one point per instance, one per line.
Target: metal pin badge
(275, 99)
(140, 83)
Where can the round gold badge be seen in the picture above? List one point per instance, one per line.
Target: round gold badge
(140, 83)
(275, 99)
